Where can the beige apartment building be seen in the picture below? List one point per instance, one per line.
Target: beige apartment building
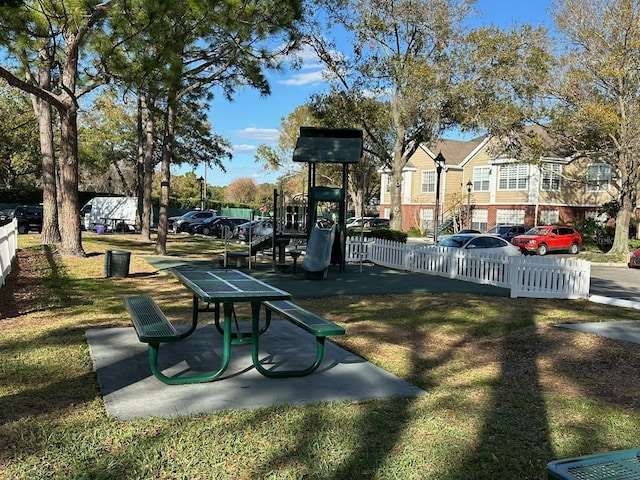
(479, 190)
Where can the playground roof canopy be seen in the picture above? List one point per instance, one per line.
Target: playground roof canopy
(328, 145)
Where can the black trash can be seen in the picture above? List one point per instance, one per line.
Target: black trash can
(116, 263)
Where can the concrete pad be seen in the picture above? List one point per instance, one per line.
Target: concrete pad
(627, 330)
(131, 391)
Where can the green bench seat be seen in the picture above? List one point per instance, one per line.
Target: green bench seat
(312, 323)
(308, 321)
(151, 325)
(153, 328)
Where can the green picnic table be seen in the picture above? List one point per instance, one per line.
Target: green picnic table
(212, 288)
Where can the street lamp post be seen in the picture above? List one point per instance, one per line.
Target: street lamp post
(201, 180)
(440, 162)
(469, 185)
(109, 182)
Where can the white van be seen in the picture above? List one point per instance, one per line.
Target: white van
(113, 213)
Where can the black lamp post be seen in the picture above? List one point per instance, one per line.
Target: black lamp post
(469, 185)
(109, 182)
(201, 180)
(440, 162)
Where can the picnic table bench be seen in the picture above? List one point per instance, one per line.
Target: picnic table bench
(153, 327)
(308, 321)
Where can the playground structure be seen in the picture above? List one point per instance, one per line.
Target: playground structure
(300, 220)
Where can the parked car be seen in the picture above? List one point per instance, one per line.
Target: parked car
(469, 230)
(377, 223)
(483, 242)
(6, 216)
(508, 231)
(357, 221)
(634, 259)
(254, 228)
(29, 218)
(181, 223)
(214, 226)
(549, 238)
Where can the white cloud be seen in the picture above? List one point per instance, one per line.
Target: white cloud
(308, 78)
(262, 134)
(244, 148)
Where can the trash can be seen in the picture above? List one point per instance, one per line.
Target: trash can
(116, 263)
(100, 229)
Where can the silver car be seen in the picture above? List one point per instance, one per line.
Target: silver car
(484, 243)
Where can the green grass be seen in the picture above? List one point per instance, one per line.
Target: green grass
(508, 392)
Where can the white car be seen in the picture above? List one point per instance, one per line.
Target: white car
(484, 243)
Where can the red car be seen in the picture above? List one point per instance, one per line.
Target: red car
(634, 259)
(548, 238)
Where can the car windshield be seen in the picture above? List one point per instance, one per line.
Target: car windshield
(453, 241)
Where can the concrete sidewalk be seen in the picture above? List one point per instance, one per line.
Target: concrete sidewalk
(130, 390)
(626, 330)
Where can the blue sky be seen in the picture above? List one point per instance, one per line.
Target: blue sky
(250, 120)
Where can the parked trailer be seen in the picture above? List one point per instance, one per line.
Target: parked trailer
(112, 213)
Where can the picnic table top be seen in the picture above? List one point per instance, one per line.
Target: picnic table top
(217, 285)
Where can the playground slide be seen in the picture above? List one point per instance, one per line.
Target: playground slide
(318, 254)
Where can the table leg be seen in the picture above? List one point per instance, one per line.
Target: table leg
(194, 318)
(207, 377)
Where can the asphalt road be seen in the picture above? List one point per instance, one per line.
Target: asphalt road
(615, 281)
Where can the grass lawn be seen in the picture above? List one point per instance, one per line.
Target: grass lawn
(509, 392)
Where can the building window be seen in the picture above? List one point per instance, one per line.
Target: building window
(481, 179)
(479, 219)
(514, 176)
(506, 216)
(426, 220)
(549, 217)
(551, 175)
(598, 177)
(428, 181)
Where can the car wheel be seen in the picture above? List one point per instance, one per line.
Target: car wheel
(573, 249)
(23, 228)
(542, 249)
(183, 228)
(206, 231)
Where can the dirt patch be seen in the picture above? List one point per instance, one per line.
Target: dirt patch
(22, 289)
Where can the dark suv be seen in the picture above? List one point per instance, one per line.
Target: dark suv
(29, 218)
(214, 226)
(508, 231)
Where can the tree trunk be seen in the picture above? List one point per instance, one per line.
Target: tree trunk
(44, 115)
(621, 236)
(50, 229)
(397, 165)
(69, 219)
(147, 179)
(165, 179)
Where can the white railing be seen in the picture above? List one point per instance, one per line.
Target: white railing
(8, 247)
(525, 276)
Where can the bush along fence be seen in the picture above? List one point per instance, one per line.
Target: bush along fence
(8, 247)
(525, 276)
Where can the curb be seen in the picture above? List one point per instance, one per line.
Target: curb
(618, 302)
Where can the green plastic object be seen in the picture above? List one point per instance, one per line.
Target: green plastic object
(312, 323)
(618, 465)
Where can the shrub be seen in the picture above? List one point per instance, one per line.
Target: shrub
(384, 233)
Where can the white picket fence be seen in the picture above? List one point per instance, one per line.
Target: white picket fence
(8, 247)
(525, 276)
